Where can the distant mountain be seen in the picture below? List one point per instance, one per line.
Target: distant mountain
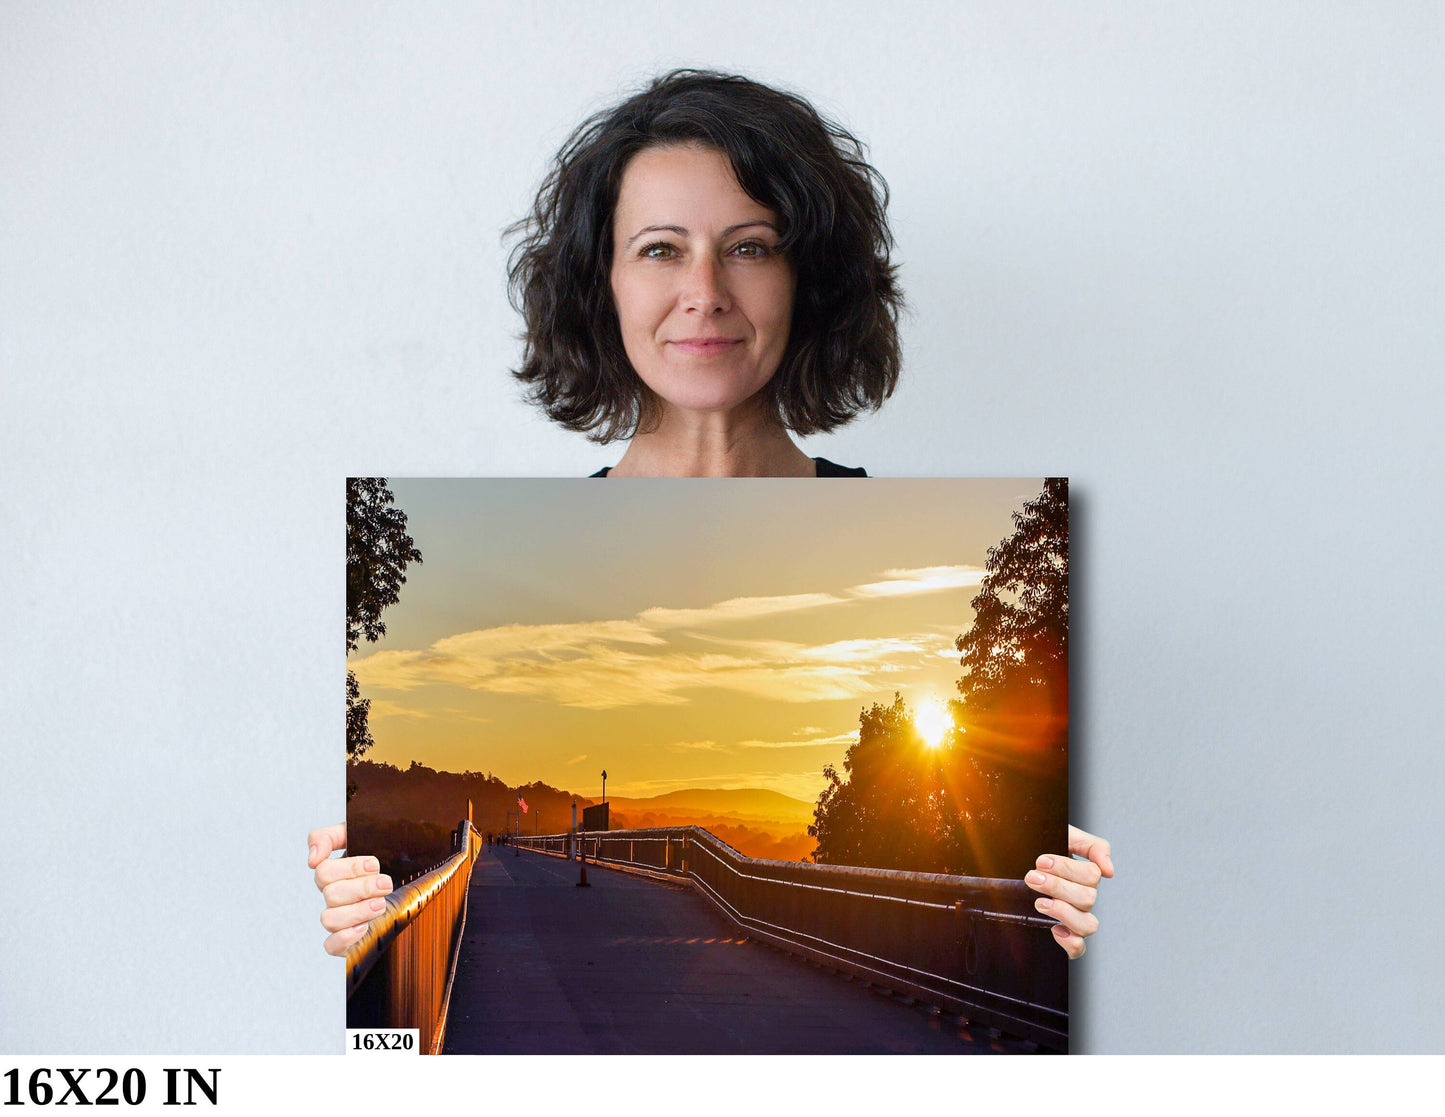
(408, 812)
(743, 803)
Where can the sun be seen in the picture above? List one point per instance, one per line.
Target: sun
(932, 722)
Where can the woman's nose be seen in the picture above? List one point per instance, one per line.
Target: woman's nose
(705, 288)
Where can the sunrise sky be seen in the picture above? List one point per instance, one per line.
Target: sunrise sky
(676, 632)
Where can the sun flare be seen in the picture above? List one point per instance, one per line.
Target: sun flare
(932, 722)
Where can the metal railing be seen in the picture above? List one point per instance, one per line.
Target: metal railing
(398, 974)
(969, 945)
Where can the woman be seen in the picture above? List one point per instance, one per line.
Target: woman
(705, 273)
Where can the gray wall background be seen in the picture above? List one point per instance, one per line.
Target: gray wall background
(1189, 256)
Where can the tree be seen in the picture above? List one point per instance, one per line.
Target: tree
(1013, 712)
(888, 809)
(953, 808)
(993, 793)
(378, 550)
(358, 732)
(1023, 641)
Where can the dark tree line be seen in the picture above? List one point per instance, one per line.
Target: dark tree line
(994, 793)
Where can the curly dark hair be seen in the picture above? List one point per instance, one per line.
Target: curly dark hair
(843, 353)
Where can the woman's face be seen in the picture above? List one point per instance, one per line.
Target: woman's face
(703, 296)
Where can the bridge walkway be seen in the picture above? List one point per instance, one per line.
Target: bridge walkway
(632, 965)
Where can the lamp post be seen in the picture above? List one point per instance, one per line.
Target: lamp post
(604, 785)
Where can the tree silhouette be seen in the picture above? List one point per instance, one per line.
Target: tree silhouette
(1013, 713)
(994, 793)
(378, 550)
(358, 709)
(1020, 633)
(887, 810)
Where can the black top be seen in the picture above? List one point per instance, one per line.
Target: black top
(825, 469)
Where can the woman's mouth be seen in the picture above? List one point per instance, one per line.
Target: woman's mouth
(706, 346)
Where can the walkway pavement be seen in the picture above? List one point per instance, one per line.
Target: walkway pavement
(634, 966)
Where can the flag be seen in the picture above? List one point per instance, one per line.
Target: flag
(522, 803)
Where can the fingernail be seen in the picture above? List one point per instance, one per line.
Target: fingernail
(378, 905)
(1043, 903)
(1046, 862)
(312, 856)
(383, 884)
(1061, 930)
(372, 865)
(1036, 878)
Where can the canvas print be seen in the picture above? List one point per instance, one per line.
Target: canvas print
(708, 766)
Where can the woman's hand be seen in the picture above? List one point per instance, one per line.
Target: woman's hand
(354, 888)
(1070, 887)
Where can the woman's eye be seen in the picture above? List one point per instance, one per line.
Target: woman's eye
(751, 249)
(658, 251)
